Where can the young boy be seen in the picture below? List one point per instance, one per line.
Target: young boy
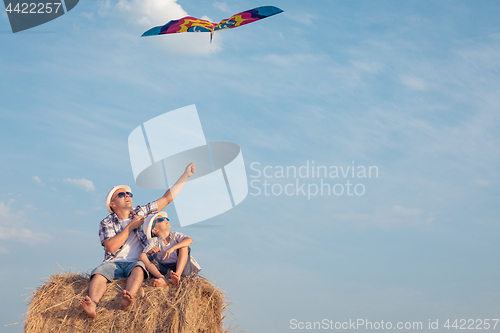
(167, 253)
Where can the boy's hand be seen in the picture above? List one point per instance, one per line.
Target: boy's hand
(154, 250)
(137, 222)
(168, 253)
(190, 170)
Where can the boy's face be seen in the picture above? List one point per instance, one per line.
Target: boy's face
(161, 224)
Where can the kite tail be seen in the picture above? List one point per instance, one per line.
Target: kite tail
(211, 35)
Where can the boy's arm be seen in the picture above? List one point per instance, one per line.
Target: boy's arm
(186, 241)
(176, 188)
(149, 266)
(152, 245)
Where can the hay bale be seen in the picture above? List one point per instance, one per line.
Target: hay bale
(194, 306)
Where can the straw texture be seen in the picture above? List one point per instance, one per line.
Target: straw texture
(194, 306)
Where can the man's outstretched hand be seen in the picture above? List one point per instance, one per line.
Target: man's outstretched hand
(190, 170)
(176, 188)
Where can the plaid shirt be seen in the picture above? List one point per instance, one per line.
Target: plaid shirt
(111, 226)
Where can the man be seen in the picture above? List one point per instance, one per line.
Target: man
(123, 241)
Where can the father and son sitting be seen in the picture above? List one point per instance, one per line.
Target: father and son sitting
(138, 242)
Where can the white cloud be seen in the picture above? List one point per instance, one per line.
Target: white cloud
(389, 218)
(189, 43)
(222, 6)
(149, 13)
(414, 83)
(482, 182)
(400, 210)
(371, 67)
(38, 180)
(293, 60)
(81, 212)
(86, 184)
(88, 16)
(29, 208)
(303, 18)
(12, 227)
(206, 18)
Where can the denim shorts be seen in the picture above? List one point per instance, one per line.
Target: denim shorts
(120, 269)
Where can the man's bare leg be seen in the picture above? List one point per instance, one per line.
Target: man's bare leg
(97, 287)
(134, 282)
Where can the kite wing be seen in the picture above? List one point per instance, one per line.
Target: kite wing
(185, 24)
(248, 16)
(192, 24)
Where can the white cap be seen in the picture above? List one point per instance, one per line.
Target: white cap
(148, 223)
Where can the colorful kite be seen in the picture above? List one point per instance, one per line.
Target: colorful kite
(192, 24)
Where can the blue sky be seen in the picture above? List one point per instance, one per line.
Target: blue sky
(410, 87)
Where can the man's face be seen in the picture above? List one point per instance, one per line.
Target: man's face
(125, 202)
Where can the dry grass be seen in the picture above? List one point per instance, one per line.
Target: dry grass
(195, 306)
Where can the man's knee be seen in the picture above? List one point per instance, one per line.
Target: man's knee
(98, 278)
(138, 272)
(136, 269)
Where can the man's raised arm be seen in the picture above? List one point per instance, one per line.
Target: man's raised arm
(176, 188)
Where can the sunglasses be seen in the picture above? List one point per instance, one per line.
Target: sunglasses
(159, 219)
(122, 195)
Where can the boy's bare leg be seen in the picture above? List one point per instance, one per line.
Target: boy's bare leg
(182, 258)
(160, 279)
(175, 278)
(134, 282)
(97, 287)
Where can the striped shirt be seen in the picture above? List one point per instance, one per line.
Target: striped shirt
(111, 226)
